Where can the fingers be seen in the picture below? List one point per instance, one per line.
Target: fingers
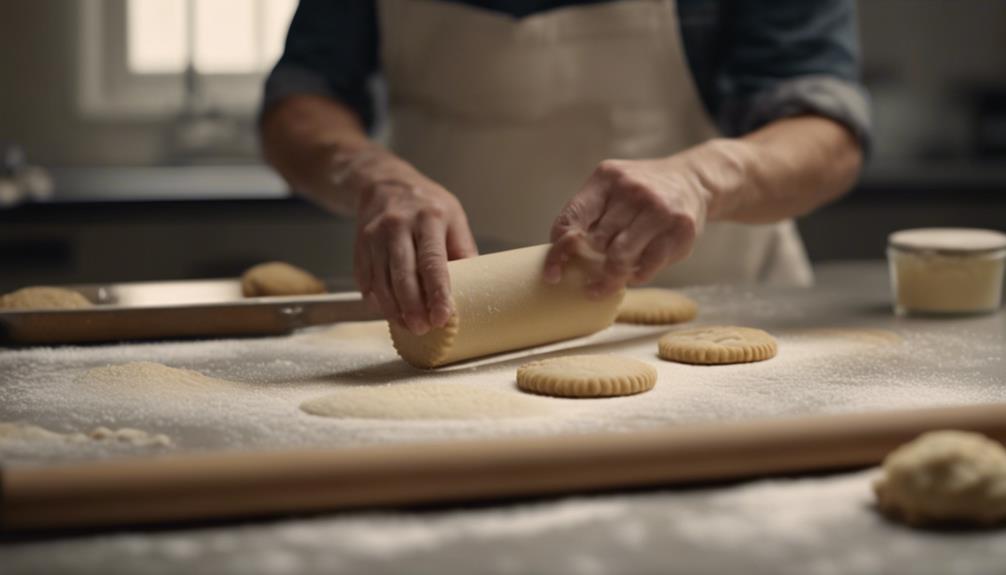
(618, 215)
(460, 241)
(656, 254)
(405, 282)
(380, 282)
(431, 258)
(361, 265)
(562, 250)
(626, 248)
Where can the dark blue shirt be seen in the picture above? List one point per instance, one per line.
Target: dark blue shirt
(754, 61)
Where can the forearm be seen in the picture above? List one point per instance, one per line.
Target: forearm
(786, 169)
(316, 144)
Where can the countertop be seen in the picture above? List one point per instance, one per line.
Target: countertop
(841, 350)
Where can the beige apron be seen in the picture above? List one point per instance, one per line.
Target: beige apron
(512, 115)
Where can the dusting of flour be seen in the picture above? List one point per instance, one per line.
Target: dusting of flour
(145, 378)
(425, 401)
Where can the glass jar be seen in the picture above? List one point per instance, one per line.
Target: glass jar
(946, 270)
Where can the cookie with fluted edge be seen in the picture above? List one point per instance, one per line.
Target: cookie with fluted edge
(586, 376)
(656, 306)
(717, 344)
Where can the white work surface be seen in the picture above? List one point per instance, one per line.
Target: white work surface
(841, 350)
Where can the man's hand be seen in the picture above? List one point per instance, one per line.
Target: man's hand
(407, 229)
(640, 214)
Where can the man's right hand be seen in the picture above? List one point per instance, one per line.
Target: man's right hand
(408, 227)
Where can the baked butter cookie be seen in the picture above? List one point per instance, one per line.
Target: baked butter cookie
(279, 279)
(44, 297)
(711, 345)
(656, 306)
(586, 376)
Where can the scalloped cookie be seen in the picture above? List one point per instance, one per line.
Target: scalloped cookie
(945, 477)
(279, 279)
(656, 306)
(713, 345)
(586, 376)
(42, 297)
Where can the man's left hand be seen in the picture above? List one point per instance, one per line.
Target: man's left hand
(642, 215)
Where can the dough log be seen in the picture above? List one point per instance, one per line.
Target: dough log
(502, 303)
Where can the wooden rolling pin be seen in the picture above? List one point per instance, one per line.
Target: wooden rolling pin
(230, 485)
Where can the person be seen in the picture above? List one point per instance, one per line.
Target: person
(675, 139)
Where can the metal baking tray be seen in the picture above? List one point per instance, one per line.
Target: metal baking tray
(178, 309)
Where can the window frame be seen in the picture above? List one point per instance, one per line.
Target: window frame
(107, 89)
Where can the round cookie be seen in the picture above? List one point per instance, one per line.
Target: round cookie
(713, 345)
(656, 306)
(945, 477)
(279, 279)
(42, 297)
(586, 376)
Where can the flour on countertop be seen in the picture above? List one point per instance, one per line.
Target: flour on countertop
(437, 401)
(247, 393)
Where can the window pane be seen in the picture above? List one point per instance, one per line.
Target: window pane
(225, 36)
(277, 15)
(155, 38)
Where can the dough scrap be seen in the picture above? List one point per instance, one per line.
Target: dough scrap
(279, 279)
(503, 303)
(130, 436)
(586, 376)
(654, 306)
(711, 345)
(945, 477)
(43, 297)
(28, 433)
(424, 401)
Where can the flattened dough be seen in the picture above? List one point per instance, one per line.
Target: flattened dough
(586, 376)
(655, 306)
(502, 303)
(710, 345)
(415, 401)
(945, 477)
(43, 297)
(279, 279)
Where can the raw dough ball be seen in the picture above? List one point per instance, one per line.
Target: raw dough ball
(717, 345)
(586, 376)
(279, 279)
(945, 477)
(656, 306)
(425, 401)
(44, 298)
(503, 304)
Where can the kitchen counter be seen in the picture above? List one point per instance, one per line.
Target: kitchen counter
(841, 350)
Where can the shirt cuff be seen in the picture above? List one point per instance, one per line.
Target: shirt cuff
(287, 80)
(834, 98)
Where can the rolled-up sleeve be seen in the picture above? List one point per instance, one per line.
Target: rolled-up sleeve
(786, 58)
(331, 50)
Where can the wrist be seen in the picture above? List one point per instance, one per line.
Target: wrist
(355, 175)
(723, 168)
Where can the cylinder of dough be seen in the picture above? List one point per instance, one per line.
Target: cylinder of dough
(502, 303)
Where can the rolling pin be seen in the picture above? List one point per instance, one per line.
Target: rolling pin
(232, 485)
(502, 303)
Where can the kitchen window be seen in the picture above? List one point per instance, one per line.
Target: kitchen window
(155, 58)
